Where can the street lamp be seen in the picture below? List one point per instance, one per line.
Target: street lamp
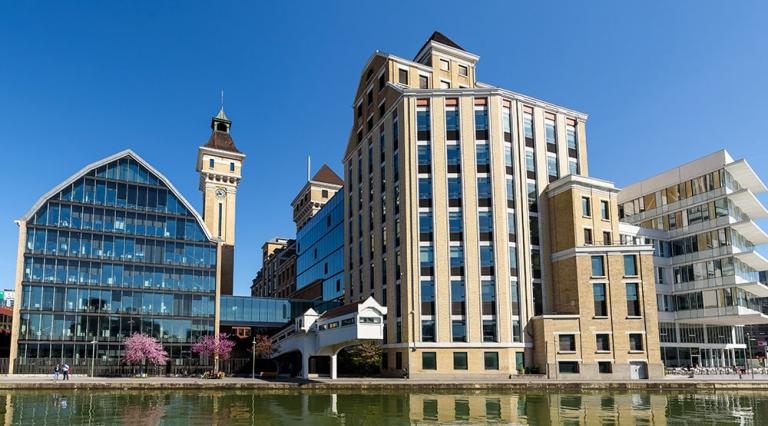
(253, 366)
(93, 356)
(749, 354)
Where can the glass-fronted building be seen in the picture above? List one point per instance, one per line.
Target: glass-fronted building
(115, 249)
(320, 249)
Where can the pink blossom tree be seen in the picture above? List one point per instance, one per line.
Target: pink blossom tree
(142, 349)
(218, 346)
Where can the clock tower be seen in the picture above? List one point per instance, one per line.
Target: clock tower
(219, 163)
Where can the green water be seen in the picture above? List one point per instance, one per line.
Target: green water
(378, 408)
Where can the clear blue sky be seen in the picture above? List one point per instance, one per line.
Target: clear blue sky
(663, 83)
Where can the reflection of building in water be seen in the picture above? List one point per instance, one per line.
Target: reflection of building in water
(584, 409)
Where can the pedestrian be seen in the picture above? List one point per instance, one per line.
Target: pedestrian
(65, 370)
(56, 371)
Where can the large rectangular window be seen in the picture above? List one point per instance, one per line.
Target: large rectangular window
(429, 361)
(630, 265)
(600, 300)
(491, 360)
(423, 120)
(424, 153)
(635, 342)
(597, 266)
(457, 260)
(486, 260)
(603, 342)
(489, 330)
(458, 298)
(586, 208)
(427, 297)
(481, 121)
(453, 158)
(633, 300)
(458, 331)
(567, 343)
(427, 330)
(460, 361)
(488, 294)
(483, 157)
(451, 120)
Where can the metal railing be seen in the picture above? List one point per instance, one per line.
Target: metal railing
(116, 368)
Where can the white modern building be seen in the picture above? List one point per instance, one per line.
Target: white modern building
(700, 217)
(324, 335)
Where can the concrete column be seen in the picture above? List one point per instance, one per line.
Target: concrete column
(333, 367)
(304, 366)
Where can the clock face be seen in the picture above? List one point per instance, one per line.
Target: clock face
(221, 193)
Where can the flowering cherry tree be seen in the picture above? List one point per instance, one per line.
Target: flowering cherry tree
(142, 349)
(219, 346)
(263, 346)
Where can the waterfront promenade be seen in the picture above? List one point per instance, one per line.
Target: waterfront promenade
(698, 383)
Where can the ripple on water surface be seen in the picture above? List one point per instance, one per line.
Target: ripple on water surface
(80, 407)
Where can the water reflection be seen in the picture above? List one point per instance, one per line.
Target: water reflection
(350, 408)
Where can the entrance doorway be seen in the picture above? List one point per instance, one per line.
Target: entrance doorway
(638, 370)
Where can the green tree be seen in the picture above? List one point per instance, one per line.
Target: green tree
(366, 357)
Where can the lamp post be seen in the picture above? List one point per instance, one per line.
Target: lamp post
(253, 351)
(749, 354)
(93, 356)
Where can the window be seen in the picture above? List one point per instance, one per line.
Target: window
(567, 342)
(382, 80)
(483, 188)
(445, 65)
(232, 167)
(549, 131)
(633, 300)
(454, 188)
(600, 301)
(604, 210)
(530, 164)
(481, 122)
(635, 342)
(424, 153)
(486, 260)
(398, 360)
(489, 330)
(528, 125)
(423, 123)
(604, 367)
(402, 76)
(427, 330)
(568, 367)
(630, 265)
(452, 124)
(586, 209)
(481, 151)
(210, 163)
(485, 221)
(324, 193)
(607, 238)
(423, 82)
(603, 342)
(457, 259)
(425, 224)
(458, 331)
(552, 166)
(425, 188)
(445, 84)
(491, 360)
(573, 166)
(570, 135)
(460, 361)
(597, 266)
(426, 256)
(455, 221)
(428, 298)
(463, 70)
(428, 361)
(369, 97)
(587, 236)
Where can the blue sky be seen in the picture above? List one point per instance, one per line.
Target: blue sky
(663, 82)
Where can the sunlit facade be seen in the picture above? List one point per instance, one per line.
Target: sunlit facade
(113, 250)
(700, 218)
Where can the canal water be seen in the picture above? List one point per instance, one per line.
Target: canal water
(379, 408)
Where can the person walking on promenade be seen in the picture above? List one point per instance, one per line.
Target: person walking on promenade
(65, 370)
(56, 371)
